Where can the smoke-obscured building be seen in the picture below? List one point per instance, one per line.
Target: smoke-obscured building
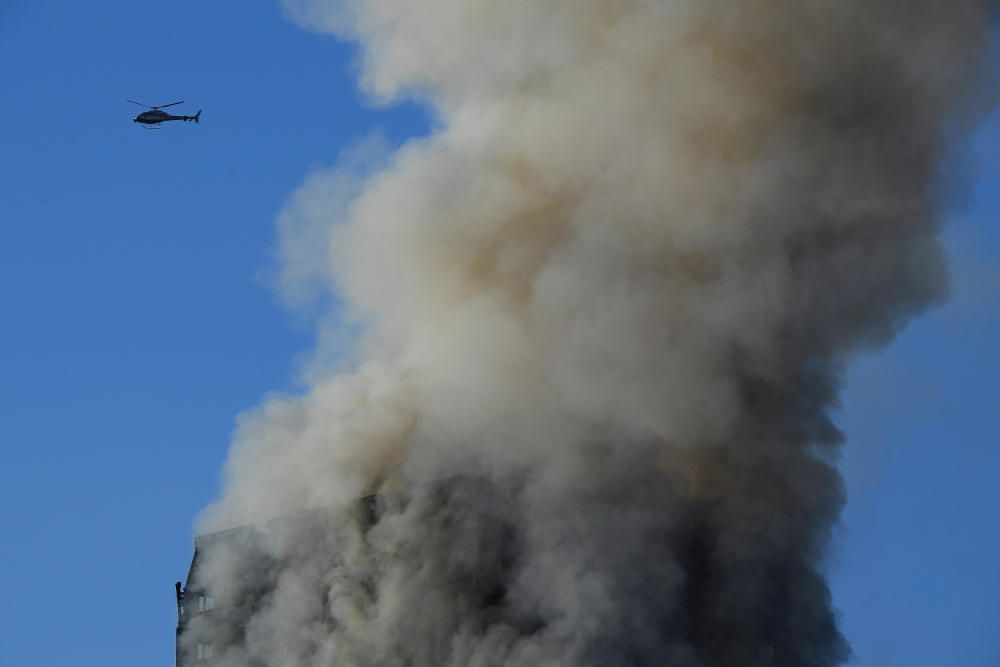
(236, 606)
(207, 621)
(249, 588)
(231, 577)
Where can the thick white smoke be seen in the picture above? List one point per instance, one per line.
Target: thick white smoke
(606, 305)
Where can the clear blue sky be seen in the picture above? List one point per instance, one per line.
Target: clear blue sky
(135, 326)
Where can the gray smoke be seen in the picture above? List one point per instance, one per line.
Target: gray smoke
(606, 307)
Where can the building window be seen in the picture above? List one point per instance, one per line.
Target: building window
(205, 603)
(205, 651)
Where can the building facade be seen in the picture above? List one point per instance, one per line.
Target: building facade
(231, 577)
(208, 620)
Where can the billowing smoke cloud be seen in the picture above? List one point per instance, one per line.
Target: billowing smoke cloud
(606, 306)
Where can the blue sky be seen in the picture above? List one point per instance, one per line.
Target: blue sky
(136, 326)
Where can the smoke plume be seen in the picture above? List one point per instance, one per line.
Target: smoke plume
(606, 306)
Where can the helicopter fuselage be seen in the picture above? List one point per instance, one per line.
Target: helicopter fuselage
(155, 117)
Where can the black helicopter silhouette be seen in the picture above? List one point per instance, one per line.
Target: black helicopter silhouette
(152, 118)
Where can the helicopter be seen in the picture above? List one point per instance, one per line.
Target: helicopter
(152, 118)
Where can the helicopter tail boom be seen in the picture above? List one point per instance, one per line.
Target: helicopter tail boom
(196, 116)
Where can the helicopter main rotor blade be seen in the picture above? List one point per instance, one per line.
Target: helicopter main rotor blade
(140, 104)
(172, 104)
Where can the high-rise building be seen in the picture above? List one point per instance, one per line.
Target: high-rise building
(207, 619)
(231, 577)
(233, 607)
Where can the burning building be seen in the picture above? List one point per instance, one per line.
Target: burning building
(618, 282)
(207, 623)
(214, 612)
